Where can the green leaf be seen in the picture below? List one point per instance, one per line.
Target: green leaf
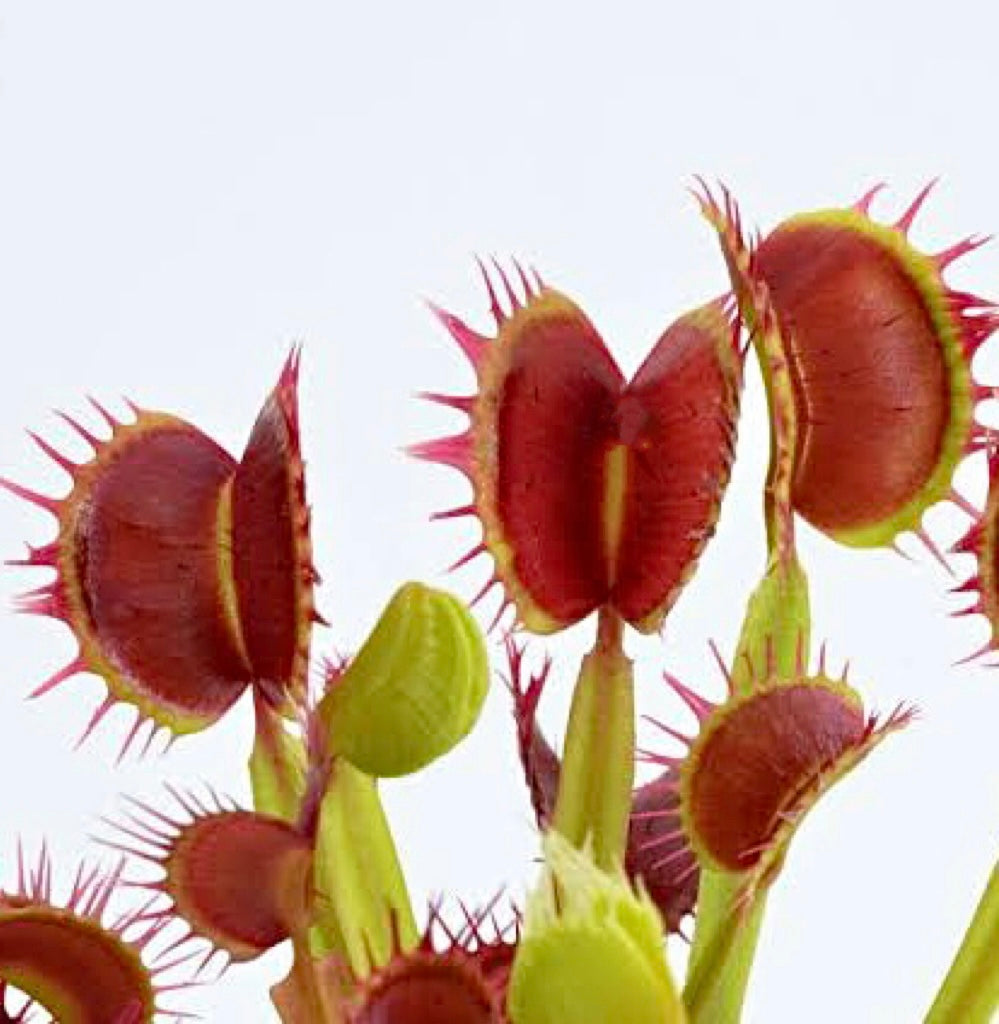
(970, 992)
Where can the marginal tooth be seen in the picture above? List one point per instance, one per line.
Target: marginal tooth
(54, 454)
(511, 295)
(454, 451)
(92, 439)
(42, 501)
(471, 343)
(904, 223)
(76, 666)
(463, 403)
(494, 307)
(863, 204)
(112, 421)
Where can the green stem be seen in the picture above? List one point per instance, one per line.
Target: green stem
(277, 765)
(970, 992)
(320, 1008)
(362, 905)
(724, 948)
(365, 908)
(594, 797)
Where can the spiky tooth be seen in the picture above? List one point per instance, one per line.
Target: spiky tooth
(678, 856)
(976, 329)
(140, 720)
(63, 461)
(91, 438)
(954, 252)
(987, 648)
(511, 295)
(505, 605)
(863, 204)
(42, 501)
(525, 281)
(904, 223)
(492, 581)
(44, 602)
(76, 666)
(701, 708)
(676, 836)
(722, 666)
(669, 730)
(469, 556)
(46, 556)
(963, 504)
(453, 513)
(499, 314)
(48, 605)
(112, 422)
(931, 546)
(454, 451)
(463, 403)
(471, 343)
(96, 718)
(970, 585)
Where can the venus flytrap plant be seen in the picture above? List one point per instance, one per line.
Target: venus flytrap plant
(186, 576)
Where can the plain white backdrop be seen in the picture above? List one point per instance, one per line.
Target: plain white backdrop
(188, 189)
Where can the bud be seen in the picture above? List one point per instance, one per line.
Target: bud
(414, 690)
(592, 949)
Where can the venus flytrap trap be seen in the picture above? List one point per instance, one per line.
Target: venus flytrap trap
(187, 578)
(592, 948)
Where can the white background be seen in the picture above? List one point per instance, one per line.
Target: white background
(188, 188)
